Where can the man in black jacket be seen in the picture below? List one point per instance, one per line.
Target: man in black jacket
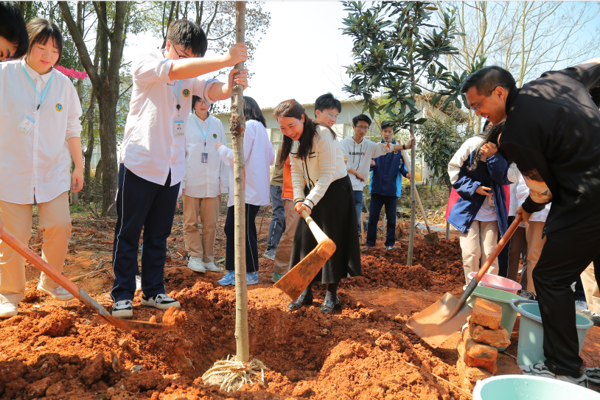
(552, 133)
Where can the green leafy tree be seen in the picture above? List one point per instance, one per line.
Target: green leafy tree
(398, 51)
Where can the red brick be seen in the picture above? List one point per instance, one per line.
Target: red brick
(478, 355)
(494, 337)
(468, 376)
(486, 313)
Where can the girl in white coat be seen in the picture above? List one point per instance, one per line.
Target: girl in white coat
(39, 134)
(258, 155)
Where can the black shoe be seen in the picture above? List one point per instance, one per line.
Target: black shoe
(328, 306)
(302, 300)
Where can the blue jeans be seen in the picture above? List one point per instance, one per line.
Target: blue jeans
(141, 204)
(277, 226)
(378, 201)
(358, 203)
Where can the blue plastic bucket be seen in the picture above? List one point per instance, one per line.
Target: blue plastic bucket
(527, 387)
(500, 297)
(531, 332)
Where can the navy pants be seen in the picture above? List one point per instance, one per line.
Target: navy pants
(378, 201)
(358, 203)
(251, 243)
(141, 204)
(277, 226)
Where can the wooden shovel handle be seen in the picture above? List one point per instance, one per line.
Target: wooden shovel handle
(314, 228)
(498, 248)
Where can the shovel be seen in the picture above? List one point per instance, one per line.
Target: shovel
(75, 290)
(430, 237)
(298, 278)
(444, 317)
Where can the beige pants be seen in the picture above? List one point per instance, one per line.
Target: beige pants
(201, 247)
(284, 249)
(17, 218)
(535, 244)
(590, 287)
(478, 244)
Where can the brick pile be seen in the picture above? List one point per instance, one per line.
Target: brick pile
(477, 348)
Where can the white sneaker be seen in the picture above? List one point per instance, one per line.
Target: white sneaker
(123, 309)
(580, 305)
(160, 301)
(58, 293)
(195, 264)
(8, 310)
(138, 282)
(210, 266)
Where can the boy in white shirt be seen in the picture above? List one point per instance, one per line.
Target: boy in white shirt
(205, 179)
(153, 156)
(358, 153)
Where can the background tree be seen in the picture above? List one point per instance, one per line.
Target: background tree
(397, 50)
(526, 38)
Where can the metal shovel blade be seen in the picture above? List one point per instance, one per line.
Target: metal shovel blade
(70, 287)
(298, 278)
(433, 325)
(431, 238)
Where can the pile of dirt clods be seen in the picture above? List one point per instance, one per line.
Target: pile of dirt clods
(59, 351)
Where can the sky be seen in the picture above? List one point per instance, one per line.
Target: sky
(305, 69)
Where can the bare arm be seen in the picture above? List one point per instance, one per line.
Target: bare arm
(75, 149)
(192, 67)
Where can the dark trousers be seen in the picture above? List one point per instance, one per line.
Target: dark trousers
(378, 201)
(141, 204)
(503, 256)
(277, 225)
(251, 242)
(565, 255)
(518, 243)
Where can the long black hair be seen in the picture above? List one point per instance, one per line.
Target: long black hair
(291, 108)
(252, 111)
(490, 135)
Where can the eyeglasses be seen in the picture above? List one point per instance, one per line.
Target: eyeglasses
(476, 107)
(334, 117)
(179, 55)
(362, 127)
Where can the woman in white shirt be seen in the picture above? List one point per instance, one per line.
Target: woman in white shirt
(39, 134)
(258, 156)
(317, 159)
(205, 179)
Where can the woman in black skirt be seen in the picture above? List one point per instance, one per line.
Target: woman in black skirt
(316, 158)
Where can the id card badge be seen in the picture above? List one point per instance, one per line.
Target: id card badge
(178, 127)
(204, 158)
(27, 123)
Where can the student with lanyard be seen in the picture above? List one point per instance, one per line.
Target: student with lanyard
(358, 153)
(258, 155)
(152, 159)
(551, 133)
(317, 159)
(205, 179)
(39, 135)
(13, 32)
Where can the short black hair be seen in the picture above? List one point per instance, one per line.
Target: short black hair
(387, 124)
(189, 36)
(326, 102)
(487, 79)
(40, 30)
(12, 28)
(196, 99)
(253, 111)
(361, 117)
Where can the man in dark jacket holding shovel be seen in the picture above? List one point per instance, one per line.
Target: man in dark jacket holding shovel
(552, 133)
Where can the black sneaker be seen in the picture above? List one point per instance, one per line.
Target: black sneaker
(300, 301)
(593, 374)
(540, 369)
(160, 301)
(328, 306)
(592, 316)
(123, 309)
(528, 295)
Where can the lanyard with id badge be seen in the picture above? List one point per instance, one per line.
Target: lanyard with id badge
(28, 121)
(204, 158)
(178, 124)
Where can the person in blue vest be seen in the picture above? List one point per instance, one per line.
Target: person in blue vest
(385, 186)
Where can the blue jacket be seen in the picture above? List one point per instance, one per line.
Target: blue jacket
(495, 173)
(386, 175)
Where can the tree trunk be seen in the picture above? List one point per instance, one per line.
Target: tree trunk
(89, 152)
(237, 127)
(107, 104)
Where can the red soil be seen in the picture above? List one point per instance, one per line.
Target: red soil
(59, 351)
